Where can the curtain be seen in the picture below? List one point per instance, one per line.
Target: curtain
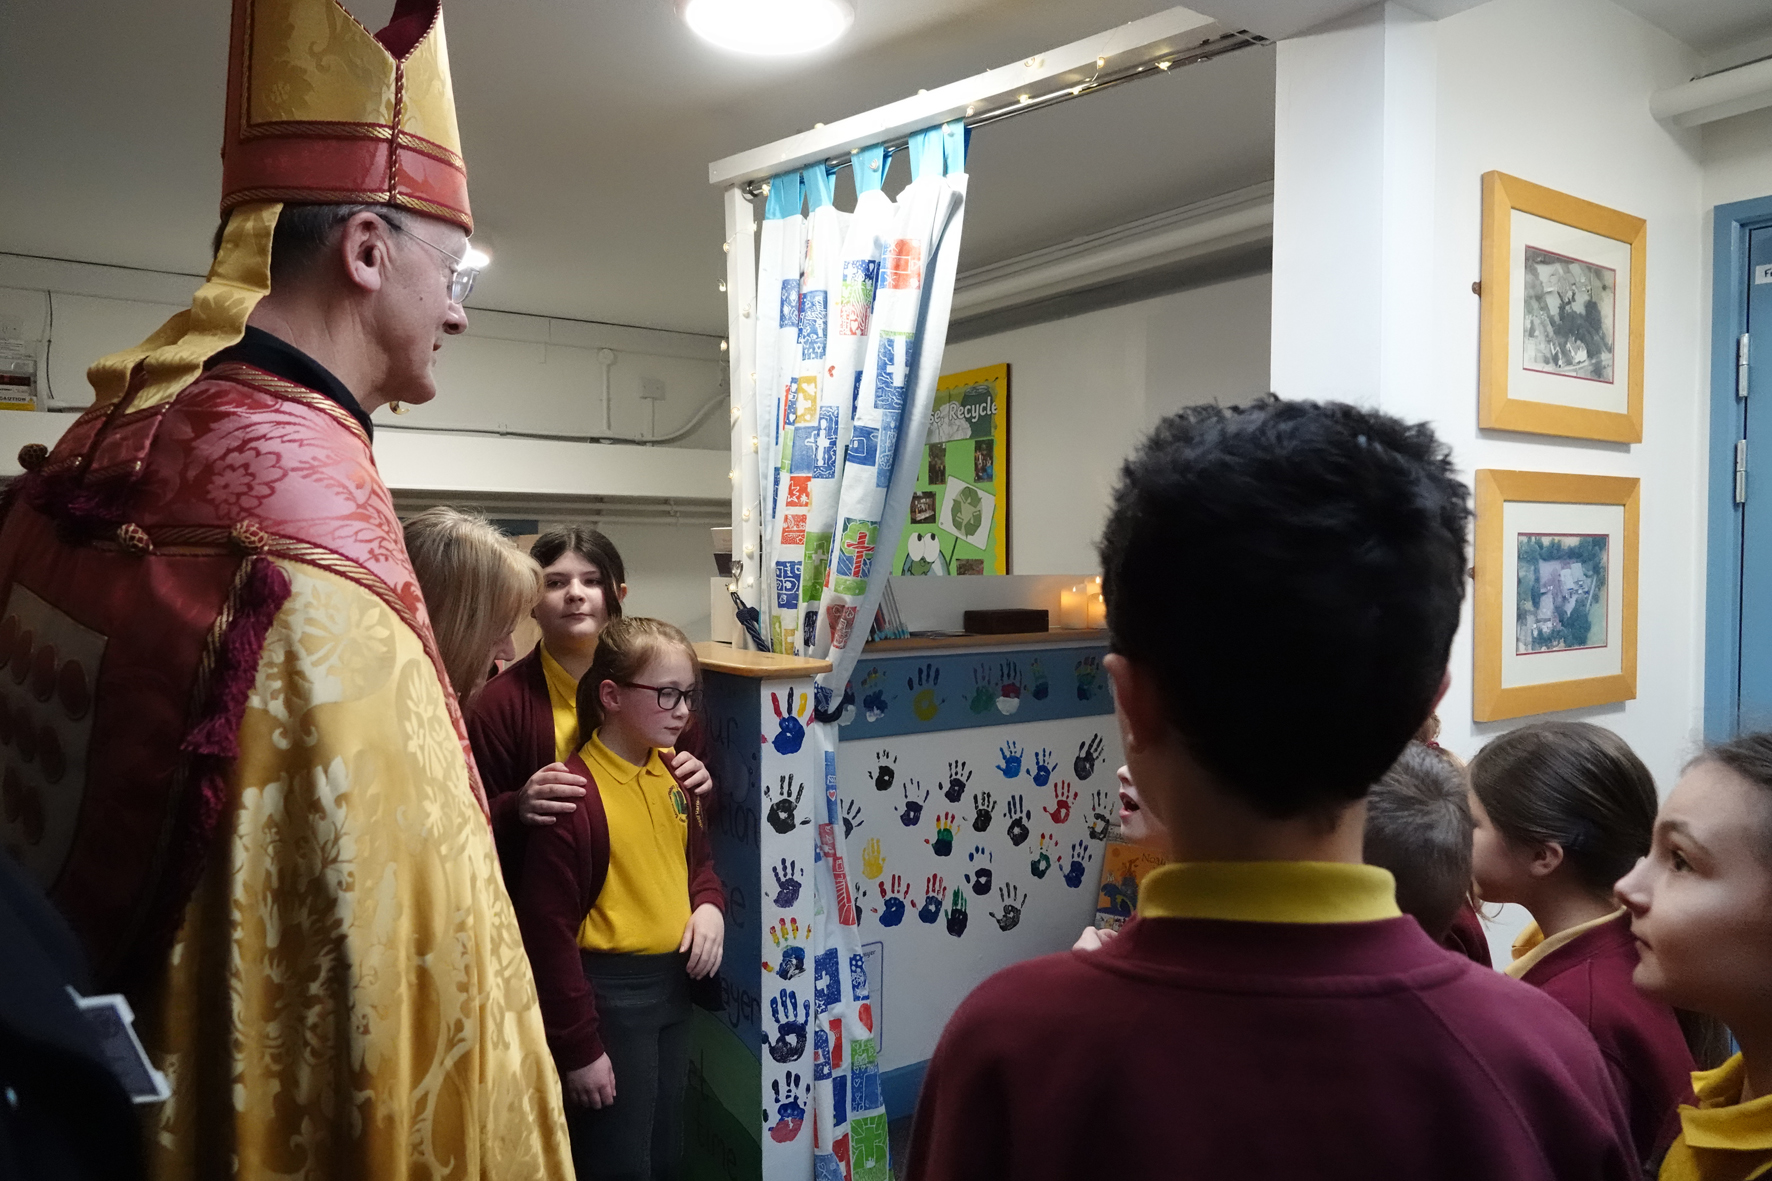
(852, 318)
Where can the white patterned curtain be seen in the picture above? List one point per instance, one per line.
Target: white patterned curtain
(852, 318)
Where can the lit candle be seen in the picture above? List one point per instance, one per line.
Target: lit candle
(1097, 611)
(1072, 610)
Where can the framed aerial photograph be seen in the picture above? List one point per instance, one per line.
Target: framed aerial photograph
(1556, 593)
(1561, 342)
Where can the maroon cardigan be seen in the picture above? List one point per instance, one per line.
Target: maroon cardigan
(1467, 938)
(1334, 1051)
(511, 729)
(564, 867)
(1638, 1036)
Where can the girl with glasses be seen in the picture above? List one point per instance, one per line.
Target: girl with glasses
(621, 908)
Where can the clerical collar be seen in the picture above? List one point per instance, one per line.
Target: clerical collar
(279, 358)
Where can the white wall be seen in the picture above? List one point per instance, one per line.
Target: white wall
(1083, 391)
(1459, 97)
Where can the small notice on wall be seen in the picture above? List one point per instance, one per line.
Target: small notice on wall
(959, 509)
(1763, 273)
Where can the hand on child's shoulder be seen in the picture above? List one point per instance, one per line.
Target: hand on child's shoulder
(1094, 938)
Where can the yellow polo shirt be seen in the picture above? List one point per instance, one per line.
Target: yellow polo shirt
(1530, 945)
(563, 696)
(1269, 892)
(1722, 1139)
(644, 905)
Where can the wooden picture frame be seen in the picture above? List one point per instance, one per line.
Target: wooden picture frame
(1580, 534)
(1562, 281)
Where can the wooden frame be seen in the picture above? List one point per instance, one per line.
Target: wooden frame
(1504, 409)
(1490, 700)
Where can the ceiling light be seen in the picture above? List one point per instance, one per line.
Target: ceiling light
(769, 27)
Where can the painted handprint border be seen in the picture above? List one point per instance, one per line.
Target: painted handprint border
(975, 688)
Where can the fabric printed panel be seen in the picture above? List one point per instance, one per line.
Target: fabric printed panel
(855, 556)
(814, 311)
(864, 445)
(787, 584)
(793, 529)
(893, 370)
(805, 405)
(790, 302)
(799, 492)
(856, 297)
(904, 265)
(818, 564)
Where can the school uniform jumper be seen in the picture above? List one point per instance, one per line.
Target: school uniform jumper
(1588, 968)
(603, 897)
(1722, 1138)
(1266, 1019)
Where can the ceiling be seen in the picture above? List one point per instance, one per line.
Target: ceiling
(588, 126)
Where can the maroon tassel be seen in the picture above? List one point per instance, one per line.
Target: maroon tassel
(212, 744)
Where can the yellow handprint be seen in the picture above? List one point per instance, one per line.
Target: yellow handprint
(873, 862)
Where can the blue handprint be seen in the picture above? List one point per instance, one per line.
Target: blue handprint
(1081, 855)
(787, 883)
(913, 805)
(790, 1030)
(1010, 753)
(1042, 767)
(892, 900)
(791, 730)
(873, 695)
(789, 1111)
(980, 877)
(933, 889)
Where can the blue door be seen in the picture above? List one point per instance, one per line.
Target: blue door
(1755, 673)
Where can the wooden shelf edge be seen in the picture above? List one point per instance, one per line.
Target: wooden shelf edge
(1007, 640)
(722, 658)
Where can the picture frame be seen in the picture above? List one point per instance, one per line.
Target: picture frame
(1560, 344)
(1556, 592)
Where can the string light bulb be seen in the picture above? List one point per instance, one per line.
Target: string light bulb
(721, 283)
(1164, 65)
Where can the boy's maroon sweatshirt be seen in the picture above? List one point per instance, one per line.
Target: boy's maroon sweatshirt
(563, 868)
(1228, 1049)
(1639, 1037)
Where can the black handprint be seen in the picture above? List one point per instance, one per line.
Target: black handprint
(985, 806)
(787, 883)
(980, 877)
(1019, 815)
(1010, 894)
(851, 817)
(957, 915)
(1098, 821)
(790, 1030)
(781, 813)
(913, 806)
(959, 775)
(883, 776)
(1087, 753)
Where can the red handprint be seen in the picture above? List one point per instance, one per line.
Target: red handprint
(1063, 796)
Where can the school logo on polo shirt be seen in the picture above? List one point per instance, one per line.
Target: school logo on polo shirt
(679, 803)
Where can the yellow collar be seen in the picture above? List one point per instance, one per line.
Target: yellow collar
(561, 683)
(1721, 1120)
(605, 763)
(1269, 892)
(1530, 946)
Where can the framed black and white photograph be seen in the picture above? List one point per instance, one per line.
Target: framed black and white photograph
(1562, 314)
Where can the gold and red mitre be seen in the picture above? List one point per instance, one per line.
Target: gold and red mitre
(320, 112)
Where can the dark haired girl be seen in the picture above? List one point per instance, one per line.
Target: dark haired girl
(1562, 811)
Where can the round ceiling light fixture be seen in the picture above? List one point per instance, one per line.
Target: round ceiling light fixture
(775, 28)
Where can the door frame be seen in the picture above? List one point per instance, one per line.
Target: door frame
(1728, 417)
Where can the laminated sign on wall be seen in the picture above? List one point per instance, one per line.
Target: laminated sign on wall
(959, 522)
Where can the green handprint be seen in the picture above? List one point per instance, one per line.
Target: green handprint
(984, 689)
(957, 914)
(943, 844)
(1042, 859)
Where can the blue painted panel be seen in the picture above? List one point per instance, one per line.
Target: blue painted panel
(963, 690)
(900, 1088)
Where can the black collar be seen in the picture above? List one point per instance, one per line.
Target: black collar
(279, 358)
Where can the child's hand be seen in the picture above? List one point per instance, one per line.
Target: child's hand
(550, 792)
(1092, 939)
(590, 1086)
(691, 772)
(705, 941)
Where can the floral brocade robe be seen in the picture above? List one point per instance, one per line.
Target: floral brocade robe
(346, 994)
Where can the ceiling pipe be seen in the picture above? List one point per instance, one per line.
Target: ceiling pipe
(1715, 96)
